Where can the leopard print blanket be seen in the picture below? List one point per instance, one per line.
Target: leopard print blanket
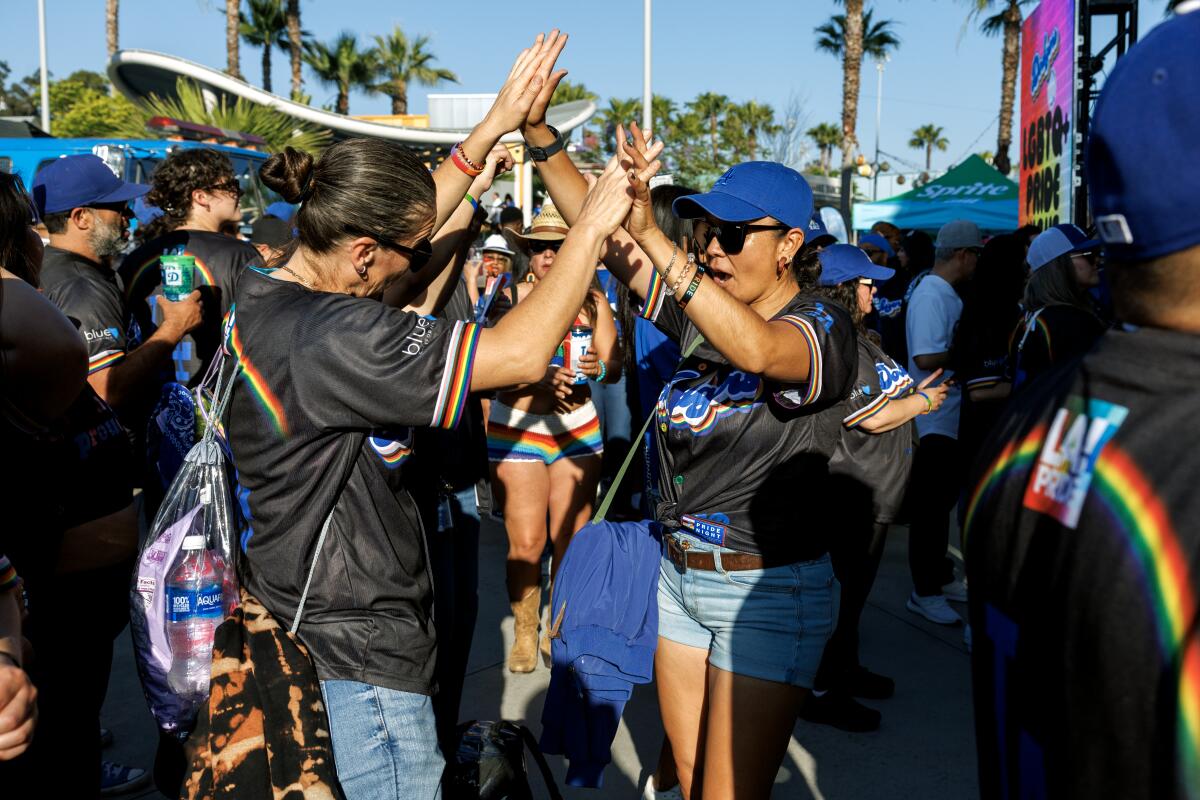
(264, 732)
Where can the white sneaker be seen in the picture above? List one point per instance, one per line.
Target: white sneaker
(956, 590)
(933, 608)
(650, 793)
(967, 636)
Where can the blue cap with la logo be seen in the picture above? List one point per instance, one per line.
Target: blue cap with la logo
(751, 191)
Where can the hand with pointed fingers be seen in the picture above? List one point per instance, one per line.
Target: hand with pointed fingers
(609, 200)
(936, 394)
(537, 112)
(498, 162)
(529, 75)
(638, 153)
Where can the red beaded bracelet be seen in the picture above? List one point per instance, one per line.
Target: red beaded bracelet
(464, 162)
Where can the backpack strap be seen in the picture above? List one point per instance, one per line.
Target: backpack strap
(540, 760)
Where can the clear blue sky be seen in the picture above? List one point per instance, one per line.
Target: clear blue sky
(749, 49)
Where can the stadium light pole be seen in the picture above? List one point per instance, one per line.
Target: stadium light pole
(45, 74)
(647, 96)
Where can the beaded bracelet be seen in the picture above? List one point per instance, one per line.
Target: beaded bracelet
(603, 373)
(474, 203)
(461, 160)
(691, 290)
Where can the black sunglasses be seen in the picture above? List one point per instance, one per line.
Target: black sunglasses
(231, 186)
(732, 235)
(536, 247)
(418, 255)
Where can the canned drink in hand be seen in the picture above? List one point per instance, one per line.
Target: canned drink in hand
(577, 345)
(178, 276)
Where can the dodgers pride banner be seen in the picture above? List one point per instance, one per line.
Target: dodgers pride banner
(1047, 92)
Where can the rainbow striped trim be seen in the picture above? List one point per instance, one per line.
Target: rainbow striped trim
(392, 452)
(655, 292)
(815, 365)
(508, 443)
(456, 379)
(1127, 497)
(866, 412)
(984, 382)
(201, 268)
(8, 574)
(1041, 325)
(104, 360)
(266, 398)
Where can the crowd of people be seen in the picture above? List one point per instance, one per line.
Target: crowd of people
(409, 359)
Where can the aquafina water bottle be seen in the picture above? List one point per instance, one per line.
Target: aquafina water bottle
(194, 606)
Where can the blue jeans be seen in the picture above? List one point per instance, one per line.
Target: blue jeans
(384, 742)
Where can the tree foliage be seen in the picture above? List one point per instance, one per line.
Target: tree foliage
(879, 37)
(401, 61)
(343, 65)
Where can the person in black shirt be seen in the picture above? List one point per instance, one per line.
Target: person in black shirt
(1081, 539)
(198, 193)
(86, 210)
(332, 384)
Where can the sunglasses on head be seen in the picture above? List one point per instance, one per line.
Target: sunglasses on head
(541, 247)
(732, 235)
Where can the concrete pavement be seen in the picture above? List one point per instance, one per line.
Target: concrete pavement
(925, 749)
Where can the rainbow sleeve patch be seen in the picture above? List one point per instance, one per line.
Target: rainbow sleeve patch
(655, 292)
(8, 574)
(456, 379)
(816, 367)
(866, 412)
(104, 360)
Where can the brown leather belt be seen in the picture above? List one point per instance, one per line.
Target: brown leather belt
(678, 552)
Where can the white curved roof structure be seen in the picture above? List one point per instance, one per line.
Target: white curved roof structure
(139, 73)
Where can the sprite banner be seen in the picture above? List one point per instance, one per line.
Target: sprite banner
(973, 191)
(1047, 91)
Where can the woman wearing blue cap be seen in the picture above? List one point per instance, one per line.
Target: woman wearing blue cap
(871, 465)
(745, 582)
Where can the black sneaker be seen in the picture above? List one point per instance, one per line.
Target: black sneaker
(864, 683)
(117, 778)
(841, 711)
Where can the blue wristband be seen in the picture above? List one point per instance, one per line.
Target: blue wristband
(603, 372)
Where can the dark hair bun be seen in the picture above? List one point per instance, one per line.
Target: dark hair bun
(288, 172)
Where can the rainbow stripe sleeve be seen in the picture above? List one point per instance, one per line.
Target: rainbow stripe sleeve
(866, 412)
(104, 360)
(655, 292)
(8, 574)
(816, 365)
(456, 379)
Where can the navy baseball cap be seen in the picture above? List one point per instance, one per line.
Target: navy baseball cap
(818, 235)
(752, 190)
(1143, 159)
(845, 262)
(1058, 241)
(78, 181)
(875, 240)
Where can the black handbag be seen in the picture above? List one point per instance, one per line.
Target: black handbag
(489, 763)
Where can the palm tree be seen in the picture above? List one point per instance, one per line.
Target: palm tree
(850, 48)
(568, 92)
(295, 46)
(755, 118)
(928, 136)
(1008, 22)
(662, 116)
(402, 62)
(342, 65)
(266, 28)
(232, 18)
(620, 112)
(879, 38)
(826, 137)
(712, 106)
(111, 34)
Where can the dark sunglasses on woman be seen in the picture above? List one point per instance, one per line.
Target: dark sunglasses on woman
(732, 235)
(541, 247)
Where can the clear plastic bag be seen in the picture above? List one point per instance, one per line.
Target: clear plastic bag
(198, 502)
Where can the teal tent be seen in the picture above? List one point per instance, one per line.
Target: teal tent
(972, 190)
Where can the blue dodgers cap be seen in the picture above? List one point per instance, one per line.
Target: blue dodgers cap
(752, 190)
(1058, 241)
(77, 181)
(1143, 160)
(875, 240)
(282, 210)
(845, 262)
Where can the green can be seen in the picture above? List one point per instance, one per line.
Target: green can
(178, 276)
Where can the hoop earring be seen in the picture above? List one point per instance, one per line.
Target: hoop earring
(362, 273)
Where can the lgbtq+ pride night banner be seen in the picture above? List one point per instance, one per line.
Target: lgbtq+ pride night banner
(1047, 91)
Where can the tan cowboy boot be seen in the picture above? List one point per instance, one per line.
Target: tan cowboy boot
(523, 657)
(546, 630)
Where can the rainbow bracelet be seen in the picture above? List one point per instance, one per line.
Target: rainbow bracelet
(474, 203)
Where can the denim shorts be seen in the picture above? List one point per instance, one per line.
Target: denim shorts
(765, 623)
(384, 742)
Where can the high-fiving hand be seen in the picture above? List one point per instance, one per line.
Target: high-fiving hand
(610, 198)
(530, 74)
(637, 152)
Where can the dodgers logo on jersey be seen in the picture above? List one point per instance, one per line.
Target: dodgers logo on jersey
(892, 379)
(393, 452)
(701, 406)
(1062, 475)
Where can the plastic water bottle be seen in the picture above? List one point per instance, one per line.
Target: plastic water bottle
(194, 609)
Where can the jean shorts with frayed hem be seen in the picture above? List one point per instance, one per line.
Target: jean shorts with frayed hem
(770, 624)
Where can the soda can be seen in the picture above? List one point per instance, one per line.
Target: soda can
(577, 345)
(178, 276)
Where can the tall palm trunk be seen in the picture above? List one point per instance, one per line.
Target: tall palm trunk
(293, 29)
(266, 68)
(852, 54)
(712, 133)
(343, 100)
(928, 155)
(752, 144)
(1008, 84)
(231, 38)
(111, 34)
(400, 98)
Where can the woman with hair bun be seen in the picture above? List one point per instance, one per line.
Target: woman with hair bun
(333, 382)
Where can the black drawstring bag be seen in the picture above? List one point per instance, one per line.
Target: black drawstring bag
(489, 763)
